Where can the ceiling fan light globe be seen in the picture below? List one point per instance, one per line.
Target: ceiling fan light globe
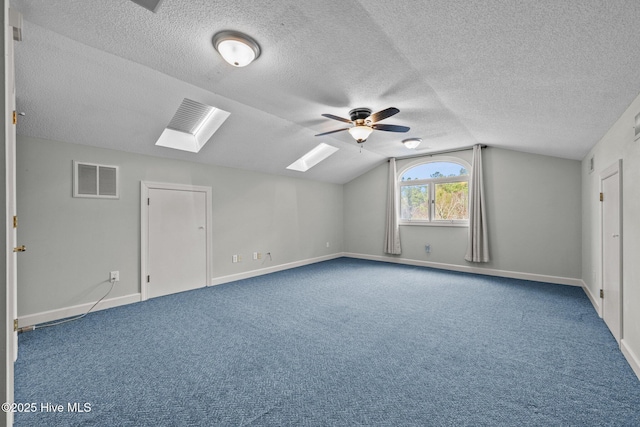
(360, 133)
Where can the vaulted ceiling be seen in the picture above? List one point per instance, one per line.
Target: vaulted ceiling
(541, 76)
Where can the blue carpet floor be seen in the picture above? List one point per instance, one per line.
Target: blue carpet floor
(344, 342)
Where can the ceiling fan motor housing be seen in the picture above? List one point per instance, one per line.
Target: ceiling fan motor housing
(359, 114)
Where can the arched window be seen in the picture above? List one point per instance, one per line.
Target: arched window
(435, 192)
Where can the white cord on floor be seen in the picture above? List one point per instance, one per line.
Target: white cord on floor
(46, 325)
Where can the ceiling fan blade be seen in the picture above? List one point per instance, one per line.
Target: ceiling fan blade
(390, 128)
(340, 119)
(332, 131)
(381, 115)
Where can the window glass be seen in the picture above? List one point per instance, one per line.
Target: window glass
(452, 201)
(434, 192)
(434, 170)
(414, 202)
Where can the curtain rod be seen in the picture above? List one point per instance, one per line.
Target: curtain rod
(438, 152)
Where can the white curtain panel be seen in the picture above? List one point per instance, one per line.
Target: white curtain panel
(478, 246)
(392, 229)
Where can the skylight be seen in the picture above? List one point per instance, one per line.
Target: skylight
(192, 126)
(313, 157)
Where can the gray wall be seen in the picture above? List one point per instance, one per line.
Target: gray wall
(533, 206)
(74, 243)
(617, 144)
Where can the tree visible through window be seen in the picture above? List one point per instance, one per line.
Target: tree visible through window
(435, 192)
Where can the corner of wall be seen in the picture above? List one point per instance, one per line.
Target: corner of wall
(594, 300)
(632, 358)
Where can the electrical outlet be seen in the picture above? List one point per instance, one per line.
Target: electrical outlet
(255, 255)
(427, 248)
(234, 258)
(328, 244)
(114, 276)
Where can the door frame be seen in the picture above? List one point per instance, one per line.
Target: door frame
(613, 169)
(145, 186)
(11, 291)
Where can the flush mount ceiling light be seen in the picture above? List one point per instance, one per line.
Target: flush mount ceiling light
(412, 143)
(236, 48)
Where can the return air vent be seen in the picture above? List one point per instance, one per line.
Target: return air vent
(95, 181)
(192, 126)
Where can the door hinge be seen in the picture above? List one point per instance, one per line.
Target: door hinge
(15, 325)
(601, 197)
(148, 278)
(15, 221)
(15, 117)
(601, 293)
(148, 201)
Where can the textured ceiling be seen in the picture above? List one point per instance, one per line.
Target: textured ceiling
(540, 76)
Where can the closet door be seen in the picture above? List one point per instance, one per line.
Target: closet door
(177, 241)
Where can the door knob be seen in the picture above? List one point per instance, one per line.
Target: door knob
(616, 235)
(22, 248)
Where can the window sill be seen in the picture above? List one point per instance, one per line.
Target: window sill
(436, 224)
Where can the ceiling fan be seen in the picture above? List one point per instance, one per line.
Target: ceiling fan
(364, 123)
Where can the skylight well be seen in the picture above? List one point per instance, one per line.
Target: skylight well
(312, 158)
(192, 126)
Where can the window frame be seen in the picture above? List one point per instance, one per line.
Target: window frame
(431, 182)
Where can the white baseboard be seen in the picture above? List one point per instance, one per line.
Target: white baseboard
(632, 358)
(594, 300)
(76, 310)
(63, 313)
(470, 269)
(48, 316)
(262, 271)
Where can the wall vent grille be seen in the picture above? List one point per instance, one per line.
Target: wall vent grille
(95, 181)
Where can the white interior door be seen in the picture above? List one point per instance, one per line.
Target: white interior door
(177, 241)
(611, 251)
